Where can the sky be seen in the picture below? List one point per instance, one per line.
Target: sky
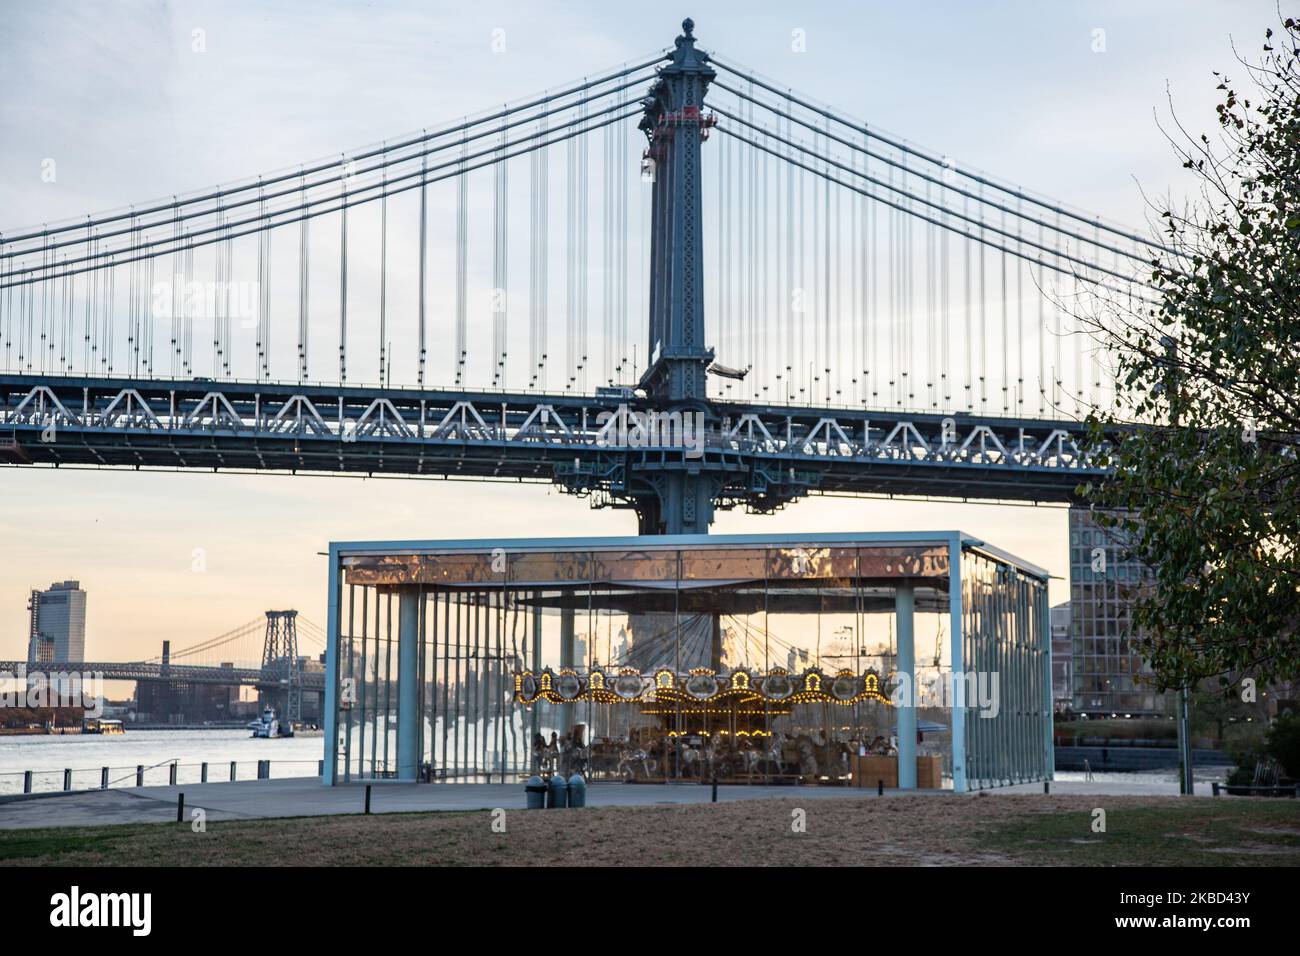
(138, 99)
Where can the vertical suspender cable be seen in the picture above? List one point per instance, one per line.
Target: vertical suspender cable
(543, 259)
(1040, 284)
(1006, 359)
(176, 257)
(343, 277)
(1020, 321)
(383, 280)
(462, 262)
(620, 161)
(217, 297)
(968, 343)
(983, 342)
(534, 250)
(499, 266)
(304, 288)
(422, 273)
(570, 264)
(582, 248)
(1057, 370)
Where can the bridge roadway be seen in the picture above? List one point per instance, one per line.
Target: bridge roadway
(178, 673)
(760, 455)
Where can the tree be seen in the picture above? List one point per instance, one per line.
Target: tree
(1283, 744)
(1212, 709)
(1203, 441)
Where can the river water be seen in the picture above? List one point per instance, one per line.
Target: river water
(85, 754)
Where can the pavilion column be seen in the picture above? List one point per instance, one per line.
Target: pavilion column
(904, 606)
(957, 654)
(535, 715)
(408, 662)
(330, 703)
(567, 655)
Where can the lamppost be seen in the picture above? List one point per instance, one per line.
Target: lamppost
(1184, 692)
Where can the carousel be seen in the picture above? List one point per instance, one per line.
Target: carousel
(743, 726)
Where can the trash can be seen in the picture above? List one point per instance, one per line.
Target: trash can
(557, 792)
(577, 791)
(534, 793)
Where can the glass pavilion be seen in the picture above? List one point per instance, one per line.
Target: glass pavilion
(742, 658)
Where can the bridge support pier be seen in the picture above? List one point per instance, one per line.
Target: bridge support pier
(681, 504)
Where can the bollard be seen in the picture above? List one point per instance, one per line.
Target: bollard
(1047, 787)
(1214, 787)
(534, 793)
(171, 775)
(139, 775)
(27, 781)
(320, 769)
(715, 788)
(203, 772)
(67, 780)
(367, 798)
(180, 807)
(232, 770)
(103, 778)
(577, 791)
(557, 793)
(880, 788)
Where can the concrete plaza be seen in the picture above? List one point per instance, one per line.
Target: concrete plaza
(304, 796)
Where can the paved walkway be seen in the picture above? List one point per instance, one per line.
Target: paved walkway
(304, 796)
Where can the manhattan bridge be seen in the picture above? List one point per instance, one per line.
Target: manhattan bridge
(845, 312)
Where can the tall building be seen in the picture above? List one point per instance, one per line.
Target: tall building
(1107, 665)
(57, 633)
(1062, 659)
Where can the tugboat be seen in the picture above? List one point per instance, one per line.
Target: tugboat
(99, 725)
(268, 726)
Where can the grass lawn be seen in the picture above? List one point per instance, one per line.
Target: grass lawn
(893, 830)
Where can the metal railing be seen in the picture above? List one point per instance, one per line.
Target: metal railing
(168, 772)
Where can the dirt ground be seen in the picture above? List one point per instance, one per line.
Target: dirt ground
(890, 831)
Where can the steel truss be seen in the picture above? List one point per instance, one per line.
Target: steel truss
(762, 456)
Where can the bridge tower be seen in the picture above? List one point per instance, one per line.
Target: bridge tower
(280, 663)
(679, 494)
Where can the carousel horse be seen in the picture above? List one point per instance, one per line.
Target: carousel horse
(833, 758)
(807, 752)
(751, 757)
(551, 754)
(691, 761)
(628, 758)
(774, 753)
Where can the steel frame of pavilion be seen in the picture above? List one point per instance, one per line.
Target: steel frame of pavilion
(996, 603)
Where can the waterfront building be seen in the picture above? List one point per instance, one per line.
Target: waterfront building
(1062, 659)
(1110, 675)
(57, 629)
